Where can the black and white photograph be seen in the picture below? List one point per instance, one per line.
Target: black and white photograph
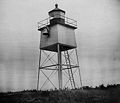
(59, 51)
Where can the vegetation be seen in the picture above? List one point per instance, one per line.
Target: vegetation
(101, 94)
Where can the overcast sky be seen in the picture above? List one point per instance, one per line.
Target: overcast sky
(98, 40)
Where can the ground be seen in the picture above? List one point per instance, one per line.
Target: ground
(87, 95)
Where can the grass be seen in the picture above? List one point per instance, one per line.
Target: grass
(88, 95)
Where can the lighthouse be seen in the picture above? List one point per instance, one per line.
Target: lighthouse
(58, 36)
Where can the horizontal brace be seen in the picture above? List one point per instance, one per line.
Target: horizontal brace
(67, 65)
(70, 68)
(48, 66)
(54, 65)
(57, 69)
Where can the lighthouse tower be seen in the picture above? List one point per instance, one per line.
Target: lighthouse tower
(58, 37)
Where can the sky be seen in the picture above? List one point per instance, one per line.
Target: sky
(97, 37)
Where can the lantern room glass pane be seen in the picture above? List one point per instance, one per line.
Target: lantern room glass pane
(57, 14)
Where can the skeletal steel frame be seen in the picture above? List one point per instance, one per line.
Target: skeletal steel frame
(57, 66)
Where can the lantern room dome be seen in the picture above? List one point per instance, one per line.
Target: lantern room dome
(56, 10)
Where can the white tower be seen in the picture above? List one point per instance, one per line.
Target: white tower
(58, 36)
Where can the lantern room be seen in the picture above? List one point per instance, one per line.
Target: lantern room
(57, 15)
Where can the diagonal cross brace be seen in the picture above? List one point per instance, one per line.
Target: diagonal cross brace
(48, 78)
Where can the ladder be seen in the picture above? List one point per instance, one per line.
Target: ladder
(70, 73)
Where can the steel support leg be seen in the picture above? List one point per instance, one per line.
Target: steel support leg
(59, 67)
(79, 68)
(39, 70)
